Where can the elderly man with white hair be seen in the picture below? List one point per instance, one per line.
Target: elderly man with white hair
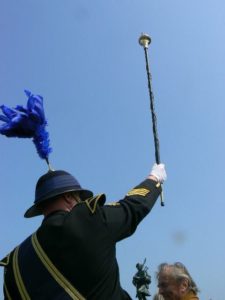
(175, 282)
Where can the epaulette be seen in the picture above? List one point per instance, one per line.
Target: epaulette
(93, 201)
(4, 262)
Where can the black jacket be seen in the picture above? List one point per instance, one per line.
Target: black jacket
(82, 243)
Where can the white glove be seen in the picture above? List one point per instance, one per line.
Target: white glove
(159, 172)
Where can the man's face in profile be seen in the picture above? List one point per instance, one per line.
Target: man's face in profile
(169, 288)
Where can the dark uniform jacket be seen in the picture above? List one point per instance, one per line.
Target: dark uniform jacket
(81, 245)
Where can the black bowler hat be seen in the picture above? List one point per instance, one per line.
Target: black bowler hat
(52, 184)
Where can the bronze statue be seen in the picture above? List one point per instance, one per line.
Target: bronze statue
(141, 281)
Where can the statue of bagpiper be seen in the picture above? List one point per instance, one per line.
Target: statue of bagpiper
(141, 281)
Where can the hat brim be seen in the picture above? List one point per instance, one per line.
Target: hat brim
(35, 210)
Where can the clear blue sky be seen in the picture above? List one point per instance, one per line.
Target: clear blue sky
(83, 57)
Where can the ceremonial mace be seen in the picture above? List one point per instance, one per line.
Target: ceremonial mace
(144, 41)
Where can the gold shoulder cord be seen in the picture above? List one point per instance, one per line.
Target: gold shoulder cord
(59, 278)
(19, 281)
(7, 292)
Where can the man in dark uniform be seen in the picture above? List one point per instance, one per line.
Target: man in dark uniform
(72, 255)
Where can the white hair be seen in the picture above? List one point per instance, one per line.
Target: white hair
(178, 272)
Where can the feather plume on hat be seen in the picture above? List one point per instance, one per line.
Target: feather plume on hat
(28, 122)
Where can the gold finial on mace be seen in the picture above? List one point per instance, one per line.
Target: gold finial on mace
(144, 40)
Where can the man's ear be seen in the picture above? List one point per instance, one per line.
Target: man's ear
(68, 198)
(184, 285)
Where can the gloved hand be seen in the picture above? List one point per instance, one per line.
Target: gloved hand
(159, 172)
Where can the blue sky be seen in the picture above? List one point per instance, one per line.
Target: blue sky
(83, 57)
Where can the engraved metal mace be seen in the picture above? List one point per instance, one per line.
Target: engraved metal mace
(144, 41)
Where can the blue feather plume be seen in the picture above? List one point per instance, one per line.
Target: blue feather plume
(27, 122)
